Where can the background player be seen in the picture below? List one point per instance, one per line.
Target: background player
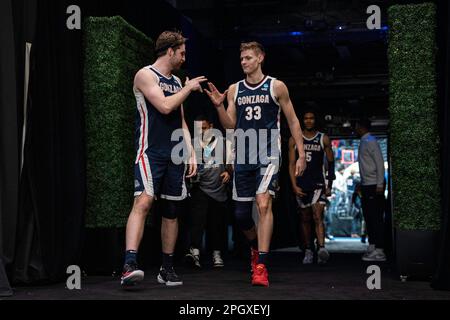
(310, 188)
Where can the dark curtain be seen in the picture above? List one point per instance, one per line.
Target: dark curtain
(42, 209)
(52, 181)
(9, 148)
(441, 279)
(17, 26)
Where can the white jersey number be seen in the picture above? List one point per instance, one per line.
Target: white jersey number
(308, 156)
(253, 113)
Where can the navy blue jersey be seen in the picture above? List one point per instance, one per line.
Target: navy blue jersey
(313, 177)
(154, 129)
(258, 110)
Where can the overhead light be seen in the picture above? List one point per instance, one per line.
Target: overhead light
(347, 124)
(379, 123)
(341, 25)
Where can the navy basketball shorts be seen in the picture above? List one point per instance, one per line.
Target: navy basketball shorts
(248, 183)
(159, 177)
(312, 197)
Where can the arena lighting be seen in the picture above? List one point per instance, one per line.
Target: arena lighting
(379, 123)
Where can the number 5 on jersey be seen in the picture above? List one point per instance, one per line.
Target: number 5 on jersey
(308, 156)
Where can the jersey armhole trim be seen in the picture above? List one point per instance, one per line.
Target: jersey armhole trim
(236, 91)
(272, 93)
(178, 80)
(154, 73)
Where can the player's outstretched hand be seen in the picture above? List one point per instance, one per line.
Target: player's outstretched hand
(214, 95)
(195, 83)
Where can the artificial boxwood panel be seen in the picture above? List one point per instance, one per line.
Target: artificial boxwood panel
(413, 116)
(114, 52)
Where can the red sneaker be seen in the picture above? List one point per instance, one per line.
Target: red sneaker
(254, 259)
(260, 276)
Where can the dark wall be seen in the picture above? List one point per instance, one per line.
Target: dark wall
(42, 225)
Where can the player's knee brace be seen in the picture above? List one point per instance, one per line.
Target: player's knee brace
(243, 215)
(170, 209)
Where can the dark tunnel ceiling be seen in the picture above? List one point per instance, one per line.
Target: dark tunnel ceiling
(321, 49)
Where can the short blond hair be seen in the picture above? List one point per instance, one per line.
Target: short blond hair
(253, 45)
(168, 39)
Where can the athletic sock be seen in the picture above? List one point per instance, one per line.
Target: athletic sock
(130, 256)
(167, 260)
(262, 257)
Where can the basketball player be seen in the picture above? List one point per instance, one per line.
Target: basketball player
(254, 104)
(159, 97)
(310, 188)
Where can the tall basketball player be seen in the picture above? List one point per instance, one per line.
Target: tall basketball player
(159, 97)
(310, 188)
(254, 104)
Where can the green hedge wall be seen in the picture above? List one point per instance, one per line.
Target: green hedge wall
(114, 51)
(413, 113)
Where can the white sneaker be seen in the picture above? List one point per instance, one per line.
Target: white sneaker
(217, 259)
(375, 255)
(308, 259)
(193, 257)
(322, 256)
(370, 249)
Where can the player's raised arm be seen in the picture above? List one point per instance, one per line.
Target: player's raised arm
(147, 83)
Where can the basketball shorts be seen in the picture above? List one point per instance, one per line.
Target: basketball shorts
(312, 197)
(159, 177)
(248, 183)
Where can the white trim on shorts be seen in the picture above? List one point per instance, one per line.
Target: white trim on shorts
(236, 197)
(183, 190)
(262, 188)
(316, 195)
